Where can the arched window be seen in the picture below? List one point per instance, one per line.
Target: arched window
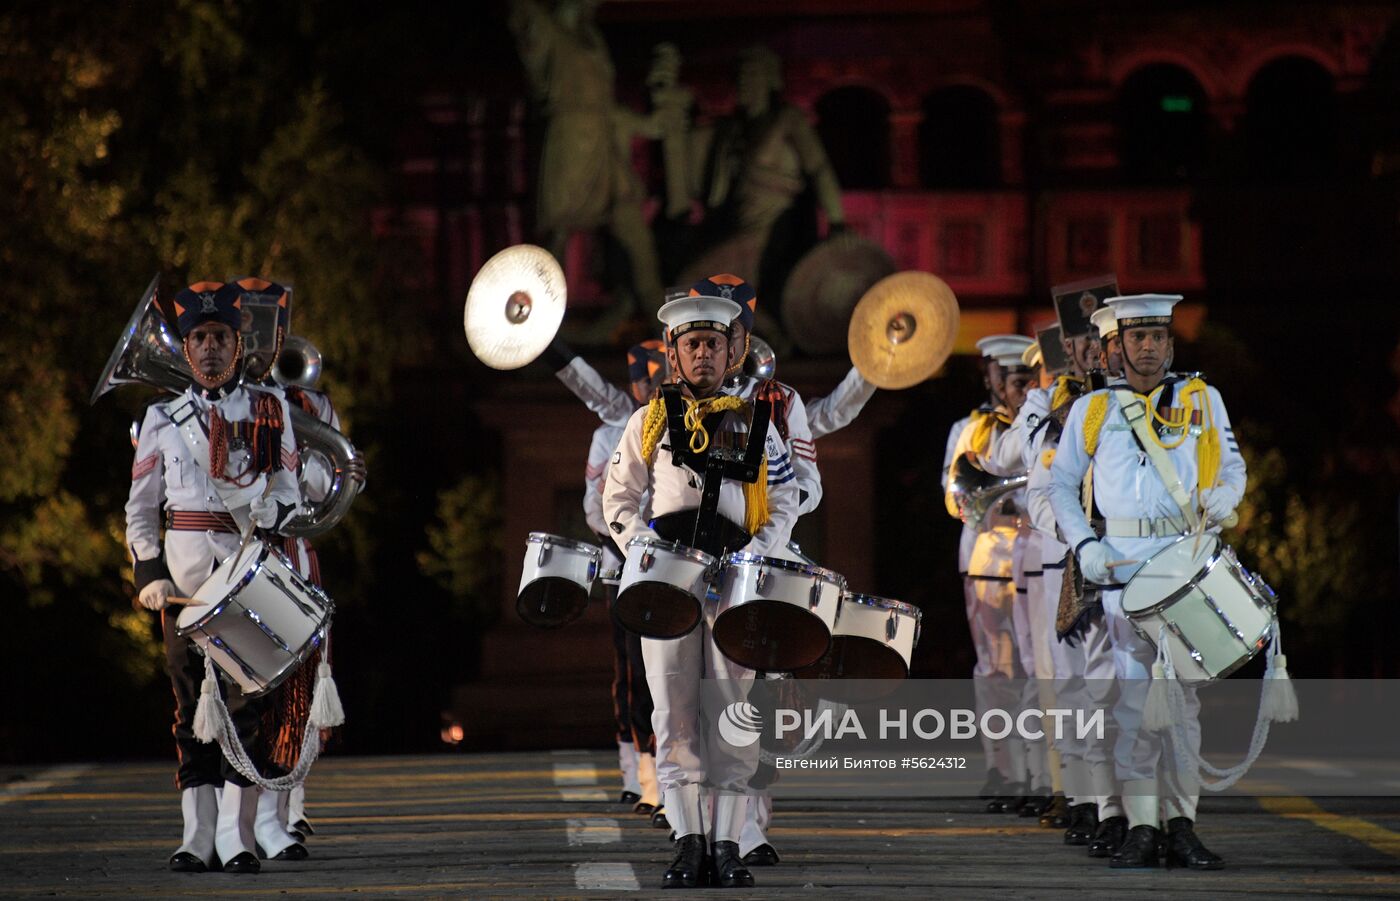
(1163, 126)
(959, 139)
(854, 125)
(1290, 124)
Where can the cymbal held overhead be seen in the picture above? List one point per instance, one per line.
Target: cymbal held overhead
(902, 331)
(514, 306)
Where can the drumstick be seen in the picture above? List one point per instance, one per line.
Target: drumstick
(184, 602)
(1112, 563)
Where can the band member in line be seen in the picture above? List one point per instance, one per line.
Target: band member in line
(1188, 429)
(1082, 661)
(246, 470)
(991, 591)
(1005, 457)
(647, 496)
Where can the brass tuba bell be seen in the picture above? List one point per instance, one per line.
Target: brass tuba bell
(760, 362)
(972, 491)
(298, 365)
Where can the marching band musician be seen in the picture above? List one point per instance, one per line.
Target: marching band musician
(1005, 457)
(646, 495)
(632, 707)
(1139, 434)
(1110, 348)
(245, 471)
(990, 591)
(1081, 662)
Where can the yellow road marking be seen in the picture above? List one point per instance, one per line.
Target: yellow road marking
(1386, 841)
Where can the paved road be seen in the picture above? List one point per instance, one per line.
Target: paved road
(534, 825)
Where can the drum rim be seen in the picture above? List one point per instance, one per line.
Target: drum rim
(318, 638)
(672, 547)
(744, 558)
(592, 550)
(1178, 593)
(885, 603)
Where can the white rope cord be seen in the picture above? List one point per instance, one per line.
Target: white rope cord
(1189, 762)
(227, 734)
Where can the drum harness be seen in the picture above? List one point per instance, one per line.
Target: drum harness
(212, 721)
(1166, 700)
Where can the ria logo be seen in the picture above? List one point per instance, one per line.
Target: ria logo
(740, 724)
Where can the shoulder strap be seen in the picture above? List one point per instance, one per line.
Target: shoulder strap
(1135, 411)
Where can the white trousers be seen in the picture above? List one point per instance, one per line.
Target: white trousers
(989, 618)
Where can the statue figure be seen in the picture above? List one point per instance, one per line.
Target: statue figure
(585, 177)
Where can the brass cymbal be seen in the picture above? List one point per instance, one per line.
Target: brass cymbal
(903, 329)
(514, 306)
(825, 286)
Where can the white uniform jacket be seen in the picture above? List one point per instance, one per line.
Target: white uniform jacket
(629, 509)
(800, 450)
(164, 476)
(612, 404)
(1126, 484)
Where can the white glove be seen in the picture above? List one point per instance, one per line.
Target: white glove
(156, 596)
(263, 512)
(1094, 558)
(1218, 505)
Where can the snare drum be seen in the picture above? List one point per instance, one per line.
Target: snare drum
(873, 638)
(663, 585)
(1217, 614)
(257, 619)
(558, 575)
(775, 615)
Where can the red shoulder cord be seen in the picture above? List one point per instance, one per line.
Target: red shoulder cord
(780, 398)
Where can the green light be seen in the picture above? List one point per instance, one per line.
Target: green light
(1177, 104)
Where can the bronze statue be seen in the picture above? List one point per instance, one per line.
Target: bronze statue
(585, 177)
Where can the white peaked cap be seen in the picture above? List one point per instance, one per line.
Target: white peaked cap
(689, 313)
(1004, 348)
(1105, 320)
(1143, 309)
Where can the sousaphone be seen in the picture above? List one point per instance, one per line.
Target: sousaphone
(902, 331)
(514, 306)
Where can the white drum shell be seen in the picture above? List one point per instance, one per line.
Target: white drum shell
(258, 619)
(686, 571)
(893, 627)
(1216, 615)
(554, 557)
(816, 590)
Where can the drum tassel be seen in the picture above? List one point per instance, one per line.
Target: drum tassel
(206, 724)
(1280, 703)
(326, 711)
(1157, 713)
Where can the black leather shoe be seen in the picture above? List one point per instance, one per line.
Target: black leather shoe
(303, 827)
(1108, 838)
(658, 819)
(1138, 851)
(629, 797)
(294, 851)
(297, 835)
(1010, 797)
(992, 787)
(1056, 816)
(643, 808)
(1184, 849)
(762, 856)
(1036, 804)
(245, 862)
(1083, 820)
(185, 862)
(730, 871)
(688, 870)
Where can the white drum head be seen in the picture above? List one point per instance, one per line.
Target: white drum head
(1168, 570)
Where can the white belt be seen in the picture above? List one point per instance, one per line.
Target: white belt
(1163, 527)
